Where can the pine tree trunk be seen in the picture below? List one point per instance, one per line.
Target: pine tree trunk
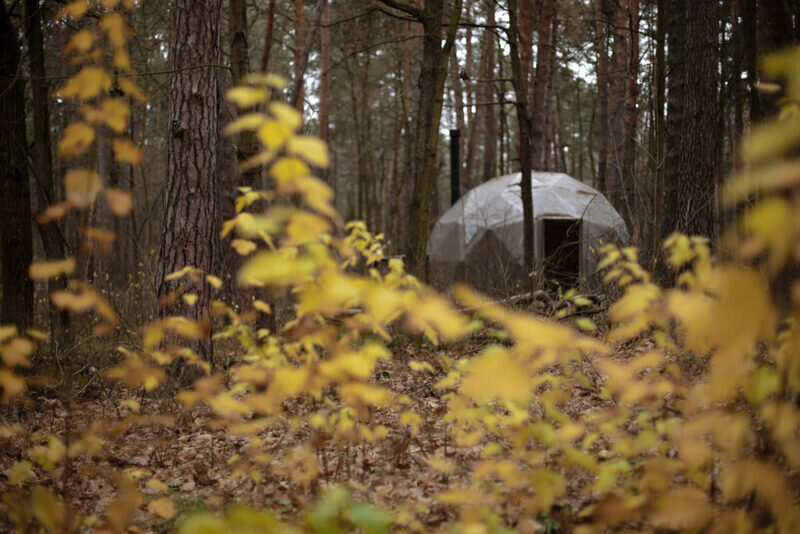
(616, 178)
(240, 67)
(52, 239)
(698, 161)
(526, 134)
(189, 237)
(602, 95)
(487, 97)
(676, 36)
(433, 74)
(16, 233)
(299, 43)
(268, 35)
(630, 120)
(540, 84)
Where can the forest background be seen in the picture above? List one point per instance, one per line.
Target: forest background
(647, 101)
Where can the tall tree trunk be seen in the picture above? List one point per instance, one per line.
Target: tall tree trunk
(16, 233)
(325, 66)
(52, 239)
(676, 80)
(524, 119)
(696, 163)
(240, 67)
(549, 113)
(751, 53)
(602, 94)
(189, 237)
(630, 121)
(489, 125)
(660, 129)
(268, 36)
(616, 178)
(433, 74)
(301, 60)
(299, 43)
(540, 84)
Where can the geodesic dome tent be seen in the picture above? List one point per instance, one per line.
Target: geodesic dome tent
(479, 239)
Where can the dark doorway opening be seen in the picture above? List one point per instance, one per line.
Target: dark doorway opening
(562, 252)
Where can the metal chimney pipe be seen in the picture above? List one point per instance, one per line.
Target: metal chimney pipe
(455, 166)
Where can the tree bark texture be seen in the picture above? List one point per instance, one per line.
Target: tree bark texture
(630, 121)
(696, 163)
(16, 233)
(299, 44)
(52, 239)
(676, 36)
(189, 237)
(489, 125)
(540, 83)
(525, 134)
(265, 54)
(240, 67)
(433, 74)
(602, 94)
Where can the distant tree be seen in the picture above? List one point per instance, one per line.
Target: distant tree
(524, 116)
(691, 163)
(433, 74)
(16, 233)
(44, 177)
(189, 234)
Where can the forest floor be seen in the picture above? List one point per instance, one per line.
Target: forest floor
(192, 457)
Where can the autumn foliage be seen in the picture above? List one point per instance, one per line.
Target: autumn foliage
(693, 421)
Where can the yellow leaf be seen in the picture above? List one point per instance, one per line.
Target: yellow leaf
(51, 269)
(215, 282)
(304, 227)
(190, 299)
(126, 152)
(81, 41)
(54, 212)
(115, 113)
(684, 508)
(116, 29)
(163, 508)
(286, 114)
(442, 465)
(88, 83)
(274, 134)
(81, 187)
(16, 352)
(585, 324)
(120, 202)
(10, 385)
(312, 149)
(262, 306)
(122, 60)
(157, 485)
(131, 89)
(46, 507)
(249, 121)
(495, 373)
(246, 97)
(7, 332)
(74, 9)
(20, 472)
(77, 137)
(420, 366)
(243, 247)
(131, 404)
(289, 169)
